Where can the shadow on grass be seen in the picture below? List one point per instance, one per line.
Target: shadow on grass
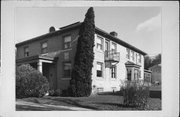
(75, 103)
(34, 108)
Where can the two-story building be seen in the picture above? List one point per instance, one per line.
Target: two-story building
(53, 55)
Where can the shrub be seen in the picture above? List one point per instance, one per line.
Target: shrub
(135, 93)
(30, 82)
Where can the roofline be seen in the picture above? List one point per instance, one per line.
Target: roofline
(119, 41)
(77, 25)
(63, 29)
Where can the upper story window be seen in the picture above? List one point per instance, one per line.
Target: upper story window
(106, 48)
(26, 51)
(67, 42)
(113, 47)
(132, 55)
(66, 55)
(139, 58)
(99, 44)
(128, 53)
(136, 58)
(44, 47)
(113, 72)
(107, 45)
(99, 69)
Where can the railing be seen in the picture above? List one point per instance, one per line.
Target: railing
(112, 56)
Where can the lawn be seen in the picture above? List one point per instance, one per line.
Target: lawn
(99, 102)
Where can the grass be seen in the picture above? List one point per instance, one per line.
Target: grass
(105, 101)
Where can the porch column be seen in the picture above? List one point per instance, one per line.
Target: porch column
(39, 66)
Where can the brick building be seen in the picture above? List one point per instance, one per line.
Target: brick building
(53, 55)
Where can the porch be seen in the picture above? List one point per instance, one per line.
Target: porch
(45, 64)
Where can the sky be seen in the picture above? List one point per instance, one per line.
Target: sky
(138, 26)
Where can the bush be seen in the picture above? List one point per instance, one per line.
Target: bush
(30, 82)
(135, 94)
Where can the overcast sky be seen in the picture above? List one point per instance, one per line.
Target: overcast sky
(138, 26)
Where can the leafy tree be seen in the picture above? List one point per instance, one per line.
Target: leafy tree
(149, 62)
(81, 82)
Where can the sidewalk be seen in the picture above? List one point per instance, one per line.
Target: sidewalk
(49, 107)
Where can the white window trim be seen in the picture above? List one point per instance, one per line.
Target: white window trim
(102, 70)
(102, 38)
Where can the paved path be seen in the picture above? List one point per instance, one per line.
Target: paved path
(50, 107)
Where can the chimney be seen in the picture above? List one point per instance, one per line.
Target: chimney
(52, 29)
(114, 34)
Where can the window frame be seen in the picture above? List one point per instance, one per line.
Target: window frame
(69, 70)
(128, 53)
(98, 44)
(68, 43)
(114, 72)
(132, 56)
(139, 60)
(26, 53)
(68, 58)
(44, 50)
(101, 71)
(115, 45)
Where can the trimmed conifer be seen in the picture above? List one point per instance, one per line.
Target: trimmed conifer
(81, 82)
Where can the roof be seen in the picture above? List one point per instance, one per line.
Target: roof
(77, 25)
(131, 64)
(146, 70)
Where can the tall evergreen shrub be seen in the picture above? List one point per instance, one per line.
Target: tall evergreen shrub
(80, 85)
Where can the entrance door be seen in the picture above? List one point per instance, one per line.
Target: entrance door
(49, 73)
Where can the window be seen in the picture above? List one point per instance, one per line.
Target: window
(26, 51)
(132, 55)
(44, 47)
(139, 58)
(67, 70)
(66, 55)
(113, 47)
(128, 53)
(139, 73)
(107, 45)
(129, 74)
(113, 72)
(99, 69)
(106, 48)
(67, 42)
(136, 57)
(99, 43)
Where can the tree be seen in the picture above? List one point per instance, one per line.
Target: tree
(80, 84)
(149, 62)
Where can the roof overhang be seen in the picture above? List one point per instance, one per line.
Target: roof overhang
(131, 64)
(36, 58)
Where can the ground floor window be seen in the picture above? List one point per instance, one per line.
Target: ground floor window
(99, 69)
(67, 70)
(128, 74)
(113, 72)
